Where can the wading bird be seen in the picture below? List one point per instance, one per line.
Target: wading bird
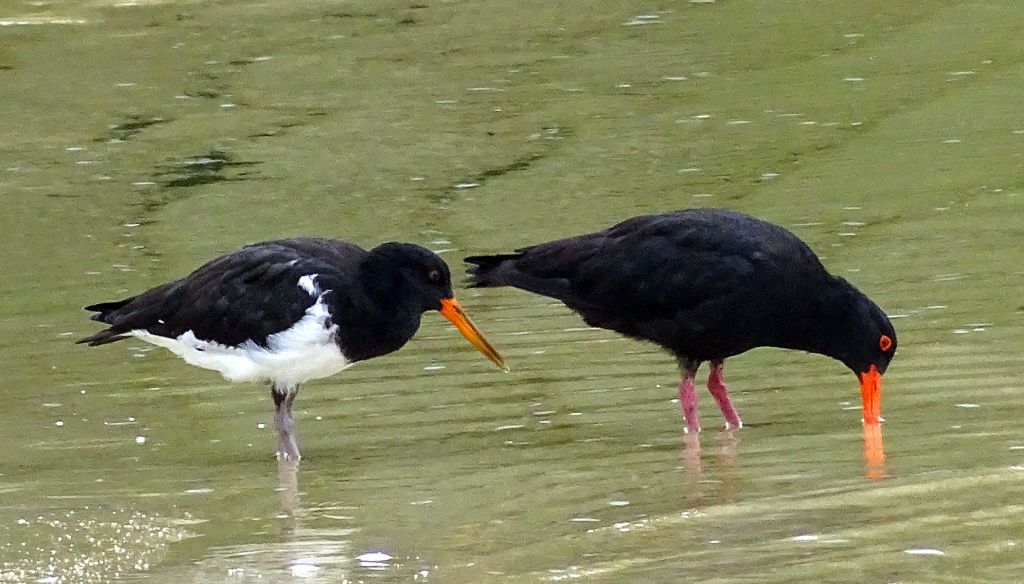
(289, 311)
(706, 284)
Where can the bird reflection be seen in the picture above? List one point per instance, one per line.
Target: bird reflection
(288, 493)
(723, 453)
(874, 452)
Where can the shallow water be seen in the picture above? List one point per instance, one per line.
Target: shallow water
(143, 138)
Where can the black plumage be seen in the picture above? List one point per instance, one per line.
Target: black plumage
(705, 284)
(273, 303)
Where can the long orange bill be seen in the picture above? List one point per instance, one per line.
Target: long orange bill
(451, 310)
(871, 395)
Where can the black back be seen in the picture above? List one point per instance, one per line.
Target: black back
(253, 293)
(704, 283)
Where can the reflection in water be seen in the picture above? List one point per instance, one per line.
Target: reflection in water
(724, 453)
(874, 452)
(288, 492)
(311, 545)
(691, 455)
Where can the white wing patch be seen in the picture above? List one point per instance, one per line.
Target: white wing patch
(308, 283)
(304, 351)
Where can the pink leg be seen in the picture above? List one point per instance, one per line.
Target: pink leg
(721, 394)
(688, 399)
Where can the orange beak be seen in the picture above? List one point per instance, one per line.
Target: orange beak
(871, 395)
(451, 310)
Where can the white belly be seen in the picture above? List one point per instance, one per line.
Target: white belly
(302, 352)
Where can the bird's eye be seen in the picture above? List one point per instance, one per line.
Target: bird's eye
(885, 343)
(434, 276)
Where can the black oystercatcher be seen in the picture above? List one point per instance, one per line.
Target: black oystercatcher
(291, 310)
(706, 284)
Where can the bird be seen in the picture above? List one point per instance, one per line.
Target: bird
(706, 285)
(291, 310)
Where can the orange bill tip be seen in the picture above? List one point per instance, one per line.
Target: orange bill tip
(451, 310)
(871, 395)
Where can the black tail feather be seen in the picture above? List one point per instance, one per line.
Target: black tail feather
(486, 270)
(104, 308)
(490, 271)
(103, 337)
(104, 311)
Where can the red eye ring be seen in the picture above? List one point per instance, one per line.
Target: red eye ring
(885, 343)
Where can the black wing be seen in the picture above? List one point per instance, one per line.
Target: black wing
(246, 295)
(670, 278)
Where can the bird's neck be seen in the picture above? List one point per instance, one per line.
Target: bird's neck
(825, 323)
(384, 304)
(375, 329)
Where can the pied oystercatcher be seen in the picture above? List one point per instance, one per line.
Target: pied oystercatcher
(706, 284)
(291, 310)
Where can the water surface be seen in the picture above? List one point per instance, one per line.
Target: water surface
(144, 138)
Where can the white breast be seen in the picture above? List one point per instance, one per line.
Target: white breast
(304, 351)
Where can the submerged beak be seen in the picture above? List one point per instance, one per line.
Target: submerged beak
(451, 310)
(871, 394)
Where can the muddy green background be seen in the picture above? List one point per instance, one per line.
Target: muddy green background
(139, 139)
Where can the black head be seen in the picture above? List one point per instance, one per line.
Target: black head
(869, 339)
(854, 330)
(421, 271)
(407, 272)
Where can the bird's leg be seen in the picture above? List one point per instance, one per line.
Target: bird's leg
(287, 447)
(688, 394)
(721, 394)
